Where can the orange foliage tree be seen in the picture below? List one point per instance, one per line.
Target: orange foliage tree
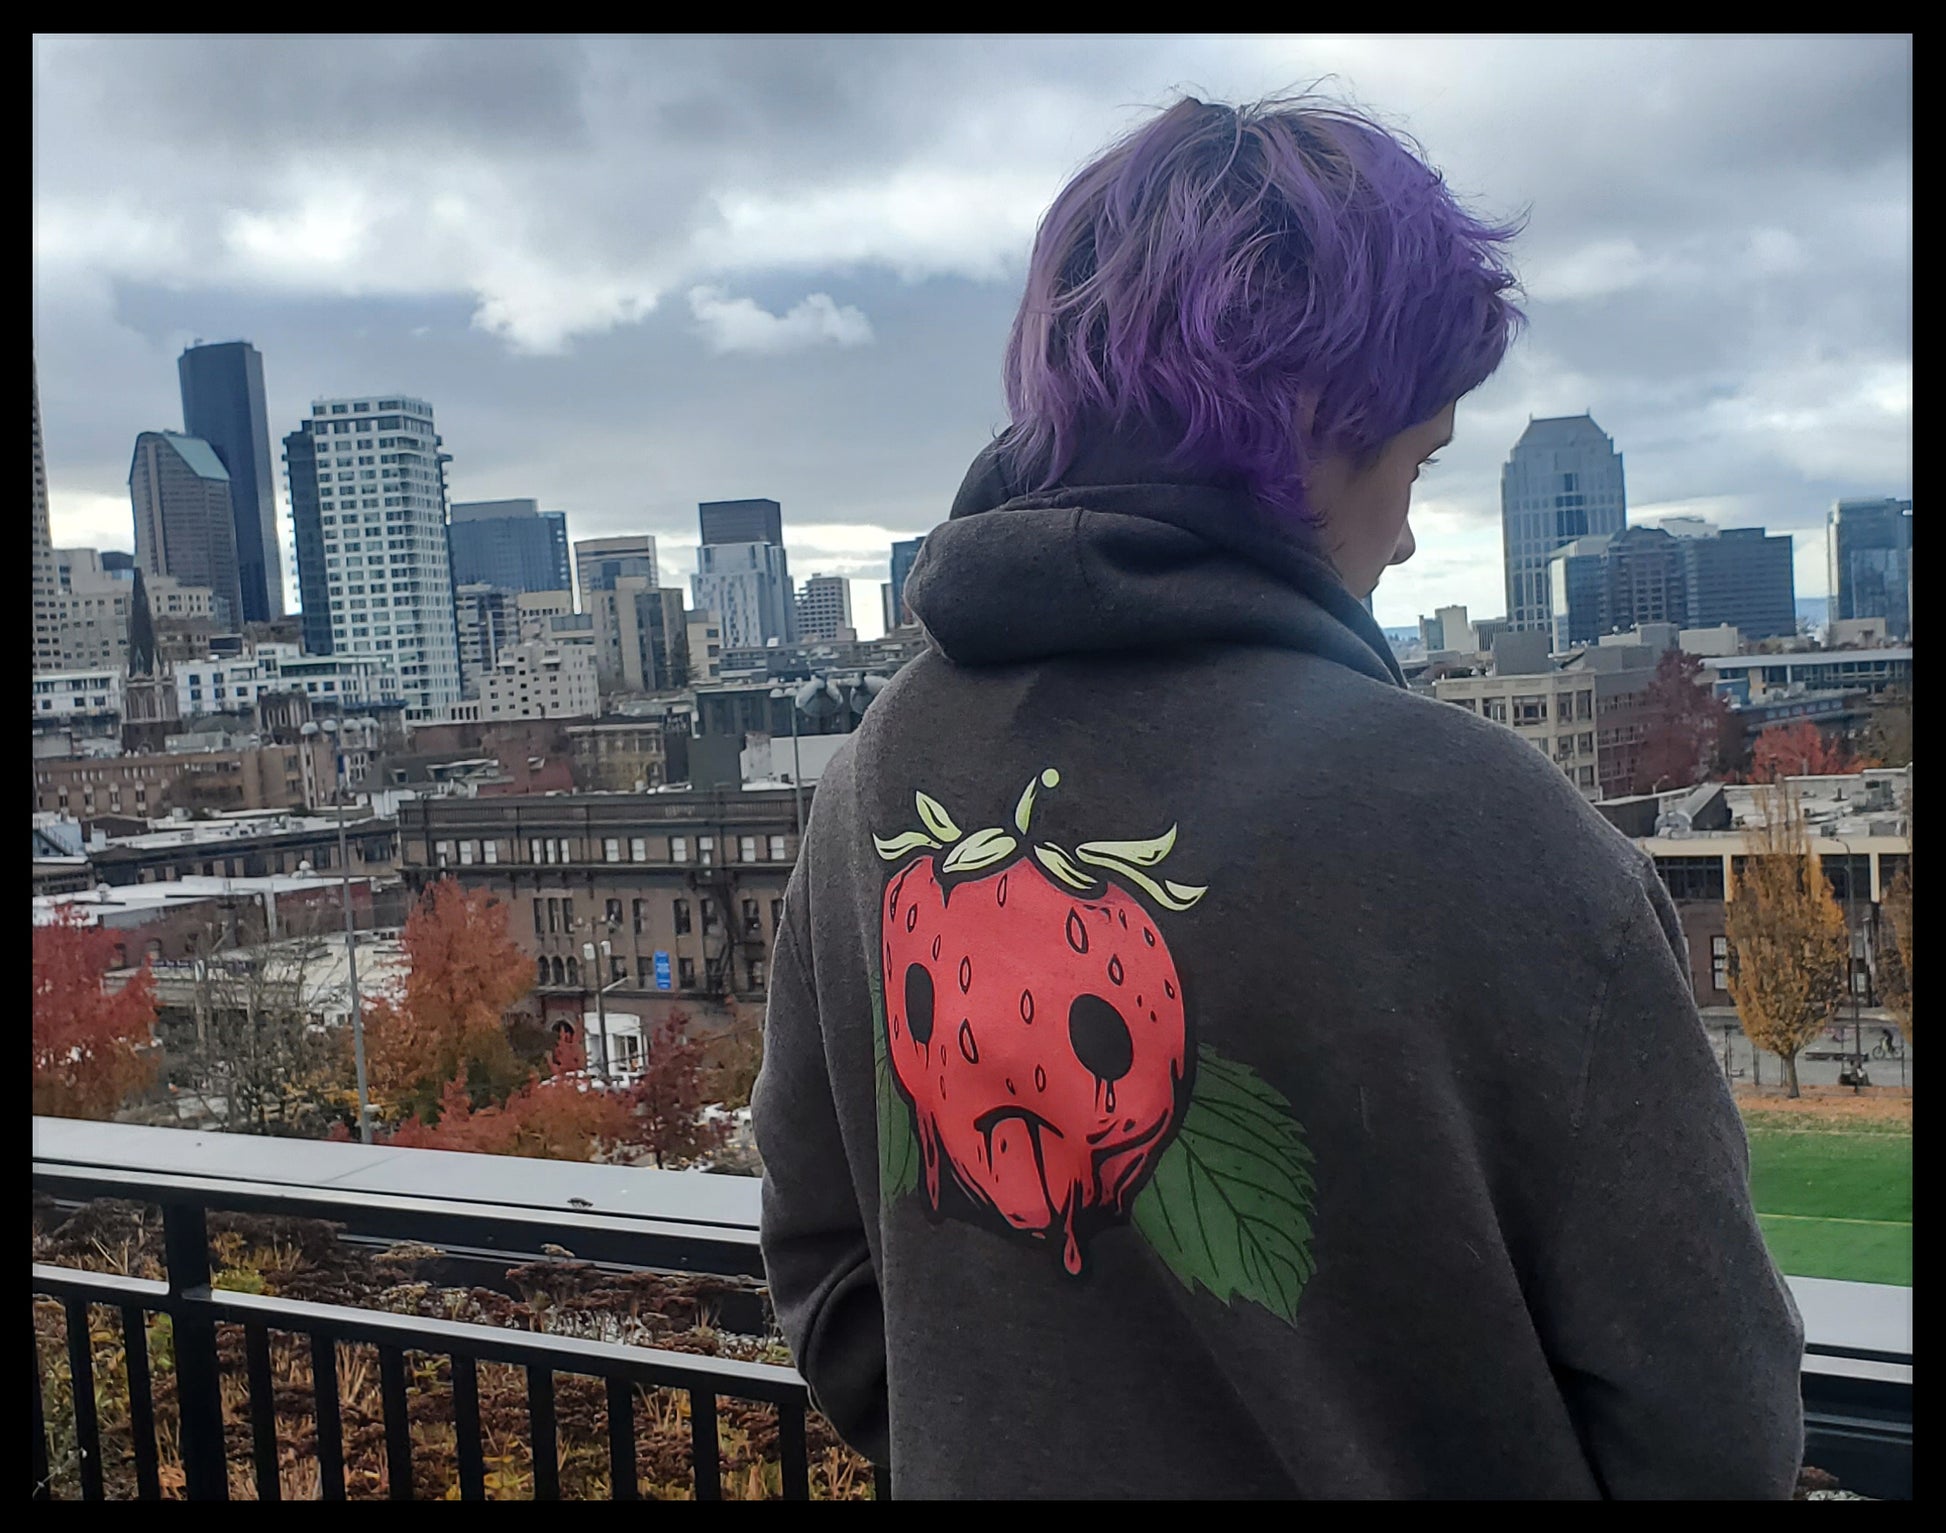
(663, 1106)
(564, 1117)
(1800, 750)
(449, 1021)
(92, 1047)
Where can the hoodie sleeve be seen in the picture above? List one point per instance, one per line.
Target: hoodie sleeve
(816, 1256)
(1676, 1341)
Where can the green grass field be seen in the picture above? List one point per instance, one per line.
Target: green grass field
(1835, 1204)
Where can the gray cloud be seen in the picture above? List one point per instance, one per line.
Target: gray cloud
(1718, 252)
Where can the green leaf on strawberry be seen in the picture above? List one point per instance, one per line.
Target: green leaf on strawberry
(1230, 1204)
(898, 1149)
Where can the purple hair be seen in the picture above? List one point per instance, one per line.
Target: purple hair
(1260, 283)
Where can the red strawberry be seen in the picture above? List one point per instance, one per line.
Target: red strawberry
(1035, 1022)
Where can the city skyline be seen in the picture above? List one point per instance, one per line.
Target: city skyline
(817, 313)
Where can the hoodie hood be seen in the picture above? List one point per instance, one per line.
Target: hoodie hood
(1127, 554)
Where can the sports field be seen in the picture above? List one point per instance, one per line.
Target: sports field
(1834, 1197)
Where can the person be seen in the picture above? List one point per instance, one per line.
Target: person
(1195, 1065)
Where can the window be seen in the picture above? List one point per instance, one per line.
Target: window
(709, 913)
(553, 914)
(469, 852)
(540, 964)
(1584, 705)
(682, 917)
(1850, 876)
(1691, 878)
(746, 849)
(567, 915)
(443, 852)
(611, 850)
(1585, 776)
(776, 848)
(491, 850)
(706, 850)
(679, 848)
(613, 912)
(756, 974)
(686, 973)
(753, 923)
(635, 916)
(1720, 963)
(1585, 743)
(550, 845)
(1496, 709)
(617, 969)
(1530, 710)
(538, 927)
(638, 849)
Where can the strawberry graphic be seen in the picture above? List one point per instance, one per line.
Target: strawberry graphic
(1033, 1016)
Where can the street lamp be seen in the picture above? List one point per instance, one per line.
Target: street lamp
(589, 953)
(330, 728)
(1851, 959)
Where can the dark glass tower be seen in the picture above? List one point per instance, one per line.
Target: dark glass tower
(223, 403)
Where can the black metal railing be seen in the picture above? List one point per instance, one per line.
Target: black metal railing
(196, 1309)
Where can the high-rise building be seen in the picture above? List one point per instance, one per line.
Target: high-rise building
(824, 608)
(705, 646)
(641, 636)
(47, 653)
(307, 529)
(1562, 481)
(489, 621)
(370, 480)
(223, 404)
(903, 553)
(600, 562)
(512, 544)
(184, 524)
(1868, 544)
(741, 521)
(1574, 573)
(748, 585)
(540, 681)
(1742, 577)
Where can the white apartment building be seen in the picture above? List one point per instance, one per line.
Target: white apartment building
(381, 509)
(824, 608)
(235, 683)
(705, 646)
(85, 694)
(541, 681)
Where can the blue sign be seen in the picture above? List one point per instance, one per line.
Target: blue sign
(662, 971)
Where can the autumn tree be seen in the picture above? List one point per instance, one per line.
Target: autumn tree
(736, 1057)
(92, 1045)
(565, 1116)
(1789, 947)
(1895, 971)
(1800, 750)
(665, 1105)
(1887, 736)
(464, 974)
(1686, 726)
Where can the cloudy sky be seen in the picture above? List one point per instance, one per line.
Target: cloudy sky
(636, 273)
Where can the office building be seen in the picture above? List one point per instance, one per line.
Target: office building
(824, 608)
(641, 635)
(741, 521)
(512, 544)
(705, 646)
(748, 586)
(600, 562)
(223, 404)
(1562, 481)
(368, 493)
(47, 651)
(184, 524)
(488, 619)
(307, 539)
(903, 553)
(1740, 576)
(1868, 546)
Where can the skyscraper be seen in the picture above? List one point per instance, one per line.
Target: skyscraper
(741, 521)
(307, 527)
(1868, 544)
(223, 404)
(743, 574)
(641, 636)
(748, 585)
(1743, 577)
(511, 544)
(46, 621)
(600, 562)
(824, 607)
(377, 492)
(902, 556)
(1562, 481)
(184, 522)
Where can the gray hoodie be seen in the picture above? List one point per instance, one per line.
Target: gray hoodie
(1198, 1067)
